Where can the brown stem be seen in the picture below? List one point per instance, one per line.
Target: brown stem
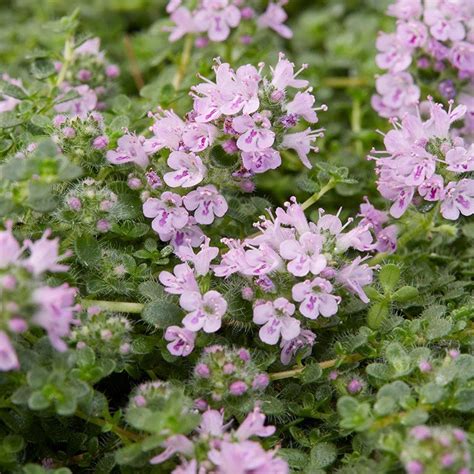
(132, 59)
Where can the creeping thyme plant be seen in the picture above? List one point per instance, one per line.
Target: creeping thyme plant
(236, 236)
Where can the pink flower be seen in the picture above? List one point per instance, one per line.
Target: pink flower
(206, 310)
(255, 132)
(167, 214)
(315, 298)
(371, 215)
(432, 189)
(302, 105)
(168, 131)
(412, 34)
(284, 75)
(184, 23)
(182, 340)
(397, 94)
(248, 456)
(8, 357)
(460, 159)
(443, 25)
(201, 260)
(261, 161)
(405, 9)
(55, 312)
(253, 425)
(275, 316)
(9, 247)
(305, 339)
(301, 142)
(355, 276)
(189, 235)
(130, 149)
(207, 203)
(189, 170)
(80, 106)
(305, 254)
(462, 56)
(393, 55)
(90, 47)
(459, 199)
(274, 17)
(182, 281)
(217, 17)
(44, 255)
(232, 93)
(174, 444)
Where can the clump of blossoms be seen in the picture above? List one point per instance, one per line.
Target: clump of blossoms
(108, 335)
(88, 205)
(223, 373)
(436, 450)
(214, 447)
(26, 300)
(246, 115)
(424, 161)
(432, 38)
(215, 19)
(74, 135)
(88, 74)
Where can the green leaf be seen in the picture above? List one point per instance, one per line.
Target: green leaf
(295, 458)
(87, 251)
(11, 119)
(404, 294)
(311, 373)
(464, 400)
(41, 197)
(162, 314)
(323, 455)
(42, 68)
(10, 90)
(222, 159)
(389, 276)
(38, 401)
(377, 314)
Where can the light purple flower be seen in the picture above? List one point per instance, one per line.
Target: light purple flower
(460, 159)
(249, 456)
(302, 105)
(432, 189)
(80, 106)
(253, 425)
(206, 310)
(462, 56)
(129, 149)
(284, 75)
(181, 340)
(304, 254)
(406, 9)
(44, 255)
(189, 170)
(275, 316)
(261, 161)
(316, 298)
(182, 280)
(8, 357)
(458, 199)
(184, 23)
(301, 142)
(355, 276)
(201, 261)
(55, 312)
(174, 444)
(207, 203)
(305, 339)
(412, 34)
(274, 17)
(393, 55)
(168, 131)
(255, 133)
(217, 17)
(9, 247)
(167, 213)
(442, 27)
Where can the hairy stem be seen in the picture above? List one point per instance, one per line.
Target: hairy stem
(183, 65)
(326, 364)
(118, 306)
(318, 195)
(122, 433)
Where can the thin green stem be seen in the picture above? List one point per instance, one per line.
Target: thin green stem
(116, 306)
(318, 195)
(183, 65)
(122, 433)
(326, 364)
(68, 57)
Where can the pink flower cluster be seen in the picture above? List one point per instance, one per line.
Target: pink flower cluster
(314, 255)
(217, 18)
(225, 449)
(437, 34)
(423, 162)
(54, 308)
